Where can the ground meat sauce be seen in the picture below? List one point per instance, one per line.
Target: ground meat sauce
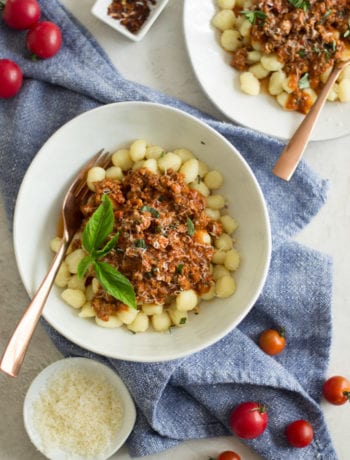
(156, 249)
(308, 40)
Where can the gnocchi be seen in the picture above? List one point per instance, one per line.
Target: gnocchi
(293, 62)
(81, 292)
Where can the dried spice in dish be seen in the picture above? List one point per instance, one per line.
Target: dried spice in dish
(131, 13)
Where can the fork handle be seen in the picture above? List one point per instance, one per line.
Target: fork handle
(292, 153)
(16, 348)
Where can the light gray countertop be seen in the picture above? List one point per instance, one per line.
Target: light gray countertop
(160, 61)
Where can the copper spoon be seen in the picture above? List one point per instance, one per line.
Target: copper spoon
(293, 151)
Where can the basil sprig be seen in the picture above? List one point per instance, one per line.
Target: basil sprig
(96, 231)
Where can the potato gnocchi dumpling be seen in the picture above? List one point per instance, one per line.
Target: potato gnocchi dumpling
(220, 258)
(287, 51)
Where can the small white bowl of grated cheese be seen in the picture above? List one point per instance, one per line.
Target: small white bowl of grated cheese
(78, 409)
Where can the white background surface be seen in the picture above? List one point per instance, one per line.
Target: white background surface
(160, 61)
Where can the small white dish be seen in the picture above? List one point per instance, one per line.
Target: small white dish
(41, 384)
(100, 11)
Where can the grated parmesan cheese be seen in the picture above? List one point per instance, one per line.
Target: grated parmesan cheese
(80, 413)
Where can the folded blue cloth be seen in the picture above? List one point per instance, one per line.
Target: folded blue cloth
(192, 397)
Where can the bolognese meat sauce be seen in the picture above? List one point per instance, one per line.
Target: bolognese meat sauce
(308, 37)
(158, 218)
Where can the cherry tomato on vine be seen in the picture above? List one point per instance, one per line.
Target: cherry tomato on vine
(336, 390)
(272, 341)
(228, 455)
(44, 39)
(21, 14)
(299, 433)
(11, 78)
(249, 420)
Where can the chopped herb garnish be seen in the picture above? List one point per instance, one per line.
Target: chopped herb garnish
(199, 179)
(153, 211)
(158, 228)
(304, 81)
(253, 15)
(179, 268)
(140, 243)
(317, 50)
(183, 320)
(346, 33)
(302, 53)
(326, 15)
(161, 155)
(330, 49)
(95, 234)
(303, 4)
(190, 226)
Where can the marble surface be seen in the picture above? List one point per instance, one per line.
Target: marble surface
(167, 68)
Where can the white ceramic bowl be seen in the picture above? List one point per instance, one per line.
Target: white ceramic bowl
(100, 11)
(42, 382)
(110, 127)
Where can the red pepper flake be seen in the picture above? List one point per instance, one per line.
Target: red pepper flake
(131, 13)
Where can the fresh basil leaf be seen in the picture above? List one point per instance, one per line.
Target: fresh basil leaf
(108, 247)
(116, 284)
(190, 226)
(99, 226)
(153, 211)
(83, 266)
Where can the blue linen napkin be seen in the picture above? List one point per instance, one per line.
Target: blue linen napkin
(192, 397)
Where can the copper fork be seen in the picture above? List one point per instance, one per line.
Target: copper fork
(18, 344)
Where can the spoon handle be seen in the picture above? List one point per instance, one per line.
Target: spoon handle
(12, 358)
(292, 153)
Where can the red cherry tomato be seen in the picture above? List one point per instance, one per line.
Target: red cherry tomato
(336, 390)
(299, 433)
(21, 14)
(272, 341)
(11, 78)
(44, 39)
(249, 420)
(228, 455)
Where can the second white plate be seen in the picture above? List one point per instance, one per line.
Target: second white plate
(221, 84)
